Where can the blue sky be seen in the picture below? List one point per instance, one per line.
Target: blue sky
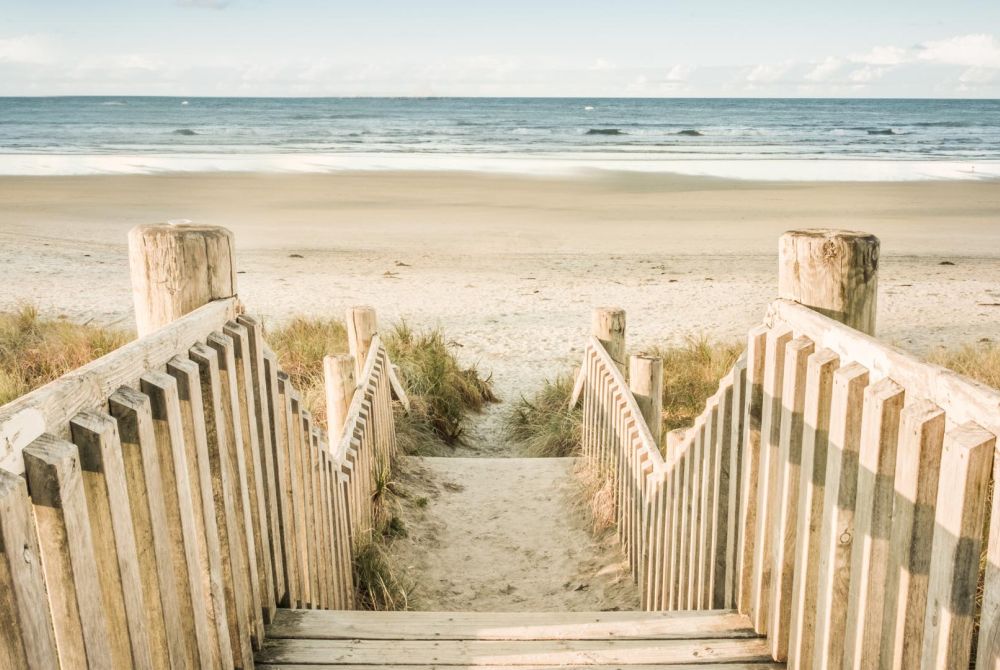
(915, 48)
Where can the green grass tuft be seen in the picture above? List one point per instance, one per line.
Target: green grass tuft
(441, 391)
(545, 424)
(691, 374)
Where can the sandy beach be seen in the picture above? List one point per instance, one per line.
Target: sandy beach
(511, 266)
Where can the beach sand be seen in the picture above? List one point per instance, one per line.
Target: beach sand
(512, 266)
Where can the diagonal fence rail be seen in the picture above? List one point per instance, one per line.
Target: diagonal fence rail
(834, 490)
(158, 505)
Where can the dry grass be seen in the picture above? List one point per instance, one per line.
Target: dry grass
(34, 351)
(979, 361)
(598, 494)
(442, 392)
(691, 373)
(545, 423)
(301, 345)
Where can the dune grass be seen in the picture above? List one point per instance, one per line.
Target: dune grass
(979, 361)
(545, 424)
(35, 350)
(442, 393)
(691, 373)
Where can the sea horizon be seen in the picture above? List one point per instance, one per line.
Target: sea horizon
(769, 138)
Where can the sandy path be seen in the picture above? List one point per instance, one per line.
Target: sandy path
(504, 534)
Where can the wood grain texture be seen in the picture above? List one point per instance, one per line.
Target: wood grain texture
(837, 527)
(52, 468)
(815, 438)
(27, 638)
(918, 465)
(966, 465)
(149, 519)
(50, 407)
(786, 488)
(873, 514)
(115, 552)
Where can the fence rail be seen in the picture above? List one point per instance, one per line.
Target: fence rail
(834, 490)
(158, 504)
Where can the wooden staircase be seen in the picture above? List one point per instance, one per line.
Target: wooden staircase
(347, 639)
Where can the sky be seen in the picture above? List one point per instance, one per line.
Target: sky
(624, 48)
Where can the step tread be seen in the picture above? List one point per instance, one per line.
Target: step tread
(514, 652)
(332, 625)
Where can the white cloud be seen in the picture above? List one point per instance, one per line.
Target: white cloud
(679, 73)
(27, 49)
(765, 74)
(884, 55)
(867, 74)
(204, 4)
(824, 69)
(981, 51)
(601, 65)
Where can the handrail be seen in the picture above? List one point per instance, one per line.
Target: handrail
(50, 407)
(343, 443)
(632, 408)
(962, 398)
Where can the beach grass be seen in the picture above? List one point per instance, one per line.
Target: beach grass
(35, 350)
(544, 424)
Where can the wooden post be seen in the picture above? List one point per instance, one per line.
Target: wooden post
(362, 325)
(834, 272)
(645, 374)
(340, 386)
(608, 326)
(176, 269)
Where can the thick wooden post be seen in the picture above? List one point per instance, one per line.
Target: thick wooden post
(341, 383)
(834, 272)
(176, 269)
(608, 326)
(645, 375)
(362, 324)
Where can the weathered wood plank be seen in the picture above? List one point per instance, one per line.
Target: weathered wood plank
(837, 528)
(50, 407)
(225, 506)
(177, 496)
(266, 406)
(816, 430)
(132, 412)
(918, 465)
(189, 388)
(872, 522)
(249, 415)
(115, 552)
(786, 493)
(52, 468)
(360, 625)
(282, 483)
(960, 397)
(27, 639)
(750, 470)
(489, 652)
(236, 454)
(966, 464)
(770, 435)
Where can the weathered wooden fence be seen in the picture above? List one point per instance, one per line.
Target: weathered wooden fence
(835, 490)
(158, 504)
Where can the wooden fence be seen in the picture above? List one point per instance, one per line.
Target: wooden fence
(158, 504)
(834, 490)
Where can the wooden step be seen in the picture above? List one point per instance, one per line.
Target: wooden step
(311, 638)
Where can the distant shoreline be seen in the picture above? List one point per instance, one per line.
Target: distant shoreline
(557, 165)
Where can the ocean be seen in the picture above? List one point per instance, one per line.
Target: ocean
(838, 139)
